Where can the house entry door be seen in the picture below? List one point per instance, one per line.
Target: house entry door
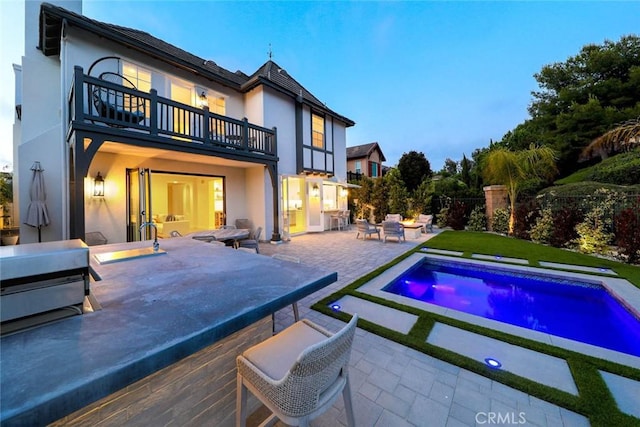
(315, 211)
(138, 204)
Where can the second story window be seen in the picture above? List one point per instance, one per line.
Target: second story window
(140, 77)
(373, 169)
(317, 131)
(358, 166)
(216, 105)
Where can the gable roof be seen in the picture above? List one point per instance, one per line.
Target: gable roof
(271, 74)
(53, 18)
(364, 150)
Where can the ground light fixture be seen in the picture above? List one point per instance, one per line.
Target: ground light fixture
(493, 363)
(335, 307)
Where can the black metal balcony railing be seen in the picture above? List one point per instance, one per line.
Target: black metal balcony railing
(109, 104)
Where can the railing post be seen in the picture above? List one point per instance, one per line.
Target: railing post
(153, 114)
(78, 90)
(245, 133)
(274, 146)
(205, 125)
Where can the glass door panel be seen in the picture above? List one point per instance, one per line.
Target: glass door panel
(315, 212)
(138, 204)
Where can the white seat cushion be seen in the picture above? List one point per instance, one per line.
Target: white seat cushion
(276, 355)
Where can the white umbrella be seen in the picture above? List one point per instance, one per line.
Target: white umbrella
(37, 213)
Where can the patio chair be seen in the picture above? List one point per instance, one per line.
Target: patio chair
(366, 229)
(338, 219)
(393, 217)
(244, 223)
(252, 241)
(393, 229)
(426, 221)
(297, 374)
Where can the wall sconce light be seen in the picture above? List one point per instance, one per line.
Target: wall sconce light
(315, 191)
(202, 99)
(98, 186)
(344, 192)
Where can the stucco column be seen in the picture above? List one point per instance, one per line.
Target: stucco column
(495, 197)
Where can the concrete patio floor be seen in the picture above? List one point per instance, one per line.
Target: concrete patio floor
(393, 385)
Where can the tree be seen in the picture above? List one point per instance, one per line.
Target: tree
(450, 167)
(398, 194)
(514, 168)
(580, 99)
(414, 168)
(465, 170)
(624, 137)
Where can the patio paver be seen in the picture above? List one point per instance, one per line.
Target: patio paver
(380, 368)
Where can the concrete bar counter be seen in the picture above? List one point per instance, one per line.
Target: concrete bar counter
(139, 360)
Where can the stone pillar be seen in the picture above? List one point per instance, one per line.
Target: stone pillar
(495, 197)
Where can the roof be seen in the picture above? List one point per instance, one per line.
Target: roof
(364, 150)
(52, 19)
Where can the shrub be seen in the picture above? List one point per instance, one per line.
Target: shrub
(525, 219)
(477, 219)
(500, 221)
(442, 218)
(564, 226)
(627, 225)
(594, 232)
(542, 230)
(456, 217)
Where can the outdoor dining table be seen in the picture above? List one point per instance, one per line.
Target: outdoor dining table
(221, 235)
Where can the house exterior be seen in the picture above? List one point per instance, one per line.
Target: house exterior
(176, 138)
(365, 160)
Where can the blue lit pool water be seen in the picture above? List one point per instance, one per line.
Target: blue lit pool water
(579, 311)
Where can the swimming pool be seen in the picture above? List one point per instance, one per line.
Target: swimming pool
(575, 309)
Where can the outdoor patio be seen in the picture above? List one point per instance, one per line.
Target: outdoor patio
(393, 385)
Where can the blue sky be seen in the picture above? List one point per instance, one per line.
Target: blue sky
(440, 77)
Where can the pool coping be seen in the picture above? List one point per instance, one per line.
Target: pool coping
(621, 289)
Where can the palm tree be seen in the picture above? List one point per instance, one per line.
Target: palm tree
(512, 168)
(623, 137)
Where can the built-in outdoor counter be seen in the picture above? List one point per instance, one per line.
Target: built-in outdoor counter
(163, 346)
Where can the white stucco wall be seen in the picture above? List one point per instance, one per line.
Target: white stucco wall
(279, 111)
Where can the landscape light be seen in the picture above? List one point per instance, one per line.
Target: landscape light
(335, 307)
(493, 363)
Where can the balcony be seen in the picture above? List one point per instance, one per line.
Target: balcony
(102, 107)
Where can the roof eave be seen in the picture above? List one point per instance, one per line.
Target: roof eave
(47, 39)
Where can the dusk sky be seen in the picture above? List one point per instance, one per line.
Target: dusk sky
(442, 78)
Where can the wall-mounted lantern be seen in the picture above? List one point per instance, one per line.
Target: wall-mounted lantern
(315, 191)
(344, 192)
(202, 99)
(98, 186)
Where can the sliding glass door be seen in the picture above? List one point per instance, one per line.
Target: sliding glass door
(174, 202)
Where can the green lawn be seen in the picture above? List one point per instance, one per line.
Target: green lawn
(595, 400)
(493, 244)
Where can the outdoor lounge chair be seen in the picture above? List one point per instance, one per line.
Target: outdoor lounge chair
(297, 374)
(366, 229)
(393, 217)
(393, 229)
(252, 241)
(426, 221)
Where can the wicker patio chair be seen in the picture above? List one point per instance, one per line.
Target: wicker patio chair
(426, 221)
(393, 229)
(297, 374)
(253, 240)
(366, 229)
(393, 217)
